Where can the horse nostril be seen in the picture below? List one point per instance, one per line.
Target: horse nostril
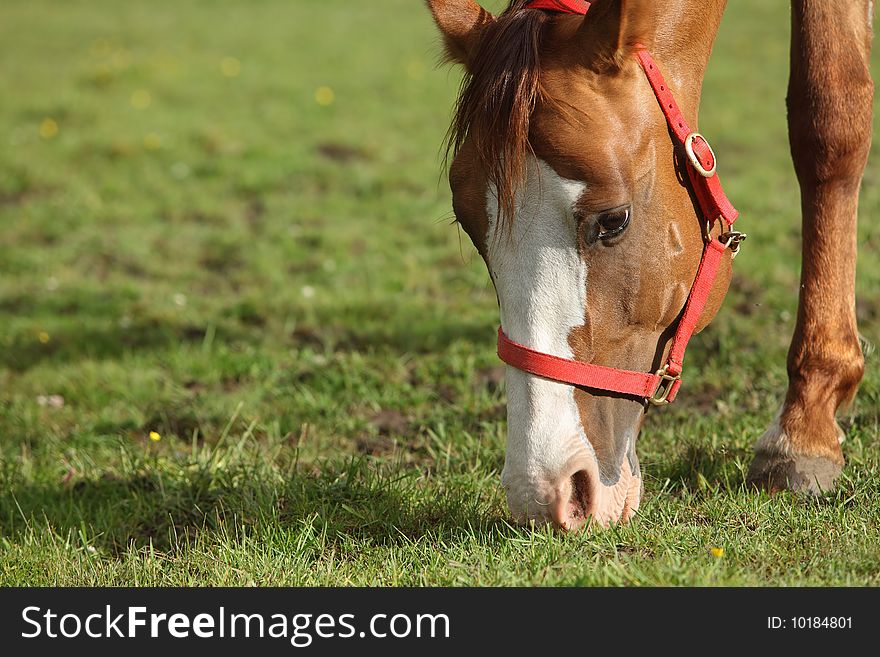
(574, 502)
(579, 504)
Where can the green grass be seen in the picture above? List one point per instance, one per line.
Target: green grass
(274, 286)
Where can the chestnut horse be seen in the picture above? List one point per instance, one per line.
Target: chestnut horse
(569, 181)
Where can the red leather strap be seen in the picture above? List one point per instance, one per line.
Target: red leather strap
(695, 305)
(625, 382)
(712, 199)
(561, 6)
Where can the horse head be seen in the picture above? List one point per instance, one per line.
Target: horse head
(565, 178)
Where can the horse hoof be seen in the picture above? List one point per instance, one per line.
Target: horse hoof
(813, 475)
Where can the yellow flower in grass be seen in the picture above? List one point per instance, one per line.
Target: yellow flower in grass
(141, 99)
(230, 67)
(43, 337)
(717, 552)
(48, 128)
(152, 141)
(155, 436)
(324, 96)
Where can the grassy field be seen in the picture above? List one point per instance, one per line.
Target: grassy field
(242, 344)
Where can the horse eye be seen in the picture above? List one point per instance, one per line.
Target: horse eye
(613, 222)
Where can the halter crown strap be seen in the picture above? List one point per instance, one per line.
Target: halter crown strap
(662, 386)
(561, 6)
(701, 159)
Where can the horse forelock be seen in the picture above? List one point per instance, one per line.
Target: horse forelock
(497, 97)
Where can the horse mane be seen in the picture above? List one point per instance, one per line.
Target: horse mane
(497, 97)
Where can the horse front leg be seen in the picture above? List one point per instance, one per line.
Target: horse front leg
(830, 99)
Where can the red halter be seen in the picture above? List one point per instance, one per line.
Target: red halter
(662, 386)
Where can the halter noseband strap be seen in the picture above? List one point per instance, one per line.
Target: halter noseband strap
(662, 386)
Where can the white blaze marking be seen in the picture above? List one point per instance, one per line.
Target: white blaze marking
(542, 285)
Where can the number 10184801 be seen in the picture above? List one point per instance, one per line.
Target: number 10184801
(809, 623)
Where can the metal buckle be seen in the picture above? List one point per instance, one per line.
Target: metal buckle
(732, 240)
(695, 161)
(664, 388)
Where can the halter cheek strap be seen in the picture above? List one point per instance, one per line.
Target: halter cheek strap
(662, 386)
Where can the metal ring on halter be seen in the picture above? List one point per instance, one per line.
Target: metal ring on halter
(707, 227)
(695, 161)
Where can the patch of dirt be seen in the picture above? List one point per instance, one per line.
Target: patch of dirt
(194, 386)
(13, 198)
(182, 424)
(491, 378)
(704, 399)
(254, 213)
(375, 445)
(342, 153)
(446, 392)
(358, 247)
(22, 193)
(390, 422)
(644, 552)
(232, 383)
(248, 313)
(192, 333)
(140, 482)
(220, 258)
(305, 335)
(495, 413)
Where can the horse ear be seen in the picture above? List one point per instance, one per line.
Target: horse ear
(615, 28)
(461, 22)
